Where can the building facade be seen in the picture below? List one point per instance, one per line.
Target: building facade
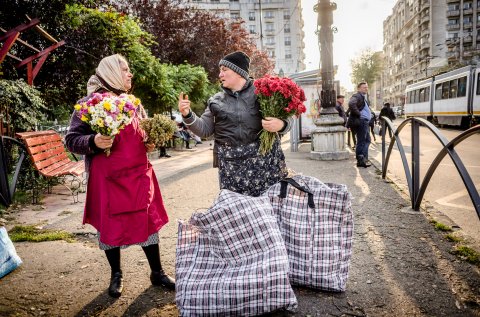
(423, 36)
(410, 33)
(276, 26)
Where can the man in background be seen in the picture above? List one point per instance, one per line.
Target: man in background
(387, 112)
(340, 109)
(359, 119)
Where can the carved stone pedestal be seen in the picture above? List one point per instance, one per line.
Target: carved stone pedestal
(328, 139)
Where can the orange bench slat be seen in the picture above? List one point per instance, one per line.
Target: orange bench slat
(48, 154)
(45, 147)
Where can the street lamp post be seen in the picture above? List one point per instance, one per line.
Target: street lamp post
(328, 138)
(325, 10)
(427, 59)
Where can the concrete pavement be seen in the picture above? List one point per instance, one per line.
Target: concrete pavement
(400, 265)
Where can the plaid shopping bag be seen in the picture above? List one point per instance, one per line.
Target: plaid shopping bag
(316, 223)
(231, 260)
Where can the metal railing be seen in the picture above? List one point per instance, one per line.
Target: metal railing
(7, 188)
(61, 128)
(416, 186)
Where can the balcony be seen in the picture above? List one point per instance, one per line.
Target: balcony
(425, 19)
(468, 39)
(453, 27)
(468, 53)
(423, 46)
(467, 11)
(425, 32)
(453, 13)
(425, 5)
(451, 55)
(467, 25)
(453, 1)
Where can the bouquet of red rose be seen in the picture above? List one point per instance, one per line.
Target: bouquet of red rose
(279, 98)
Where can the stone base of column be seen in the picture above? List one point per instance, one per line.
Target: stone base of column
(328, 139)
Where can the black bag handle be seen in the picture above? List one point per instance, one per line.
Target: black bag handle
(283, 190)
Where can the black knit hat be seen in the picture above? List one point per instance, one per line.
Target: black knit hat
(239, 62)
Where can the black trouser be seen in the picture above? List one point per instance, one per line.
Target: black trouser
(163, 151)
(152, 252)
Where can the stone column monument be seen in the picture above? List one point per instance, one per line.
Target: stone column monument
(328, 138)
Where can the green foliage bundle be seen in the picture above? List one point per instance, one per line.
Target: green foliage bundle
(159, 129)
(22, 103)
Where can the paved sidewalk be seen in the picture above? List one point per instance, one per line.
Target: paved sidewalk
(400, 265)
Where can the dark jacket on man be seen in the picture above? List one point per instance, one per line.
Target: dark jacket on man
(341, 112)
(355, 106)
(387, 112)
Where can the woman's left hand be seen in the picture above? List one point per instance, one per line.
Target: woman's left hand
(271, 124)
(150, 147)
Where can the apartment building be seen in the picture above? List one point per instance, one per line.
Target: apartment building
(410, 35)
(463, 23)
(422, 36)
(276, 26)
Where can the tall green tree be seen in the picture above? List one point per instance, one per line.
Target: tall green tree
(92, 34)
(366, 67)
(186, 35)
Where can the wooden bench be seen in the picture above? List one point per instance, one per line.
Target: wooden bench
(50, 159)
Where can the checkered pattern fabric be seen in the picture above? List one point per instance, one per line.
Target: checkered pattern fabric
(318, 240)
(231, 260)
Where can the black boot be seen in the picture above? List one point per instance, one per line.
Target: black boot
(162, 279)
(362, 162)
(158, 276)
(116, 285)
(116, 281)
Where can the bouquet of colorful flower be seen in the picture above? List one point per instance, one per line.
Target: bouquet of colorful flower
(279, 98)
(107, 114)
(159, 129)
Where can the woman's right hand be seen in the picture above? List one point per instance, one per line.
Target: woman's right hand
(103, 142)
(183, 104)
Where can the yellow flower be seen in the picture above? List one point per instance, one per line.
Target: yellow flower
(84, 118)
(78, 107)
(136, 102)
(100, 122)
(107, 105)
(121, 105)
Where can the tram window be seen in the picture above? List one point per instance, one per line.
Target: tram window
(421, 96)
(409, 97)
(427, 94)
(453, 88)
(416, 96)
(462, 87)
(438, 91)
(478, 84)
(445, 89)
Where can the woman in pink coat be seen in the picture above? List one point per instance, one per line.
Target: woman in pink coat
(123, 201)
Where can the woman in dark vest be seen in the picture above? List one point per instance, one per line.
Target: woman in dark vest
(233, 117)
